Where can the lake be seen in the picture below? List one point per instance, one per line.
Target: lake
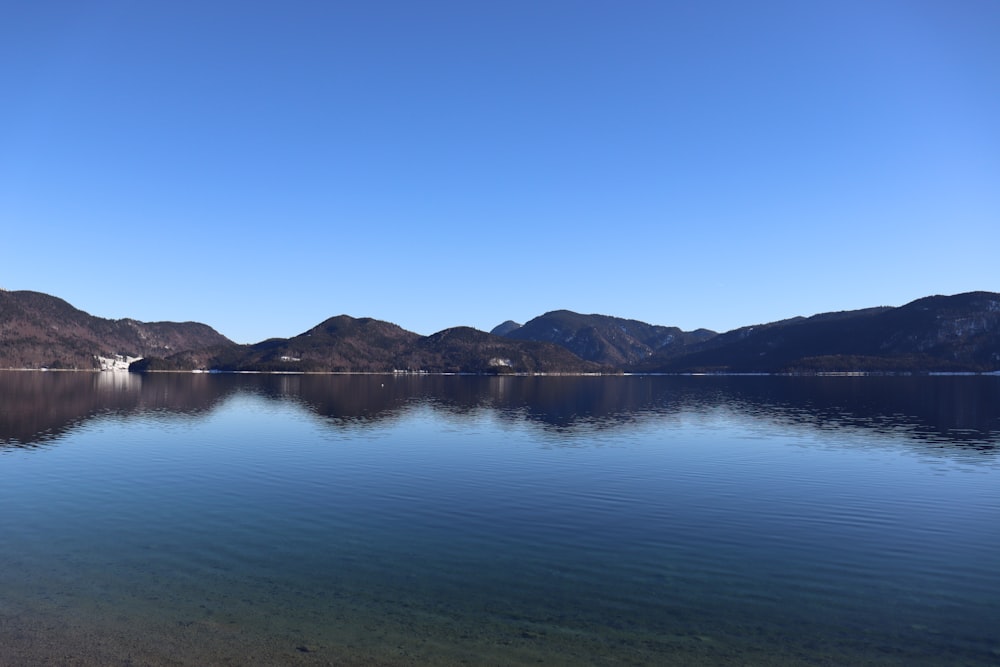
(192, 519)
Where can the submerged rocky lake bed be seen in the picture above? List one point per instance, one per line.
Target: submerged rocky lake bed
(189, 519)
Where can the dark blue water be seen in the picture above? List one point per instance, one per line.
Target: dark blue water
(196, 519)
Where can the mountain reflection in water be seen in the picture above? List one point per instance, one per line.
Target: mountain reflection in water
(960, 413)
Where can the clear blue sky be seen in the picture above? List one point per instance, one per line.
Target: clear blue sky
(261, 166)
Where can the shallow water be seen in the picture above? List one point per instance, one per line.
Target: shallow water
(218, 519)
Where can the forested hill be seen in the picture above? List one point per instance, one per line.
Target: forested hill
(937, 333)
(612, 341)
(42, 331)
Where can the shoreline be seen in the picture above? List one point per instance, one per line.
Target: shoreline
(196, 371)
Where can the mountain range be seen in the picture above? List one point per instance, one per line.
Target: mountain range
(959, 333)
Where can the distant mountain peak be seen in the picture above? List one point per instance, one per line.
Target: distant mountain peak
(505, 328)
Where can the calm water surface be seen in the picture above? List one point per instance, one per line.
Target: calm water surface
(223, 519)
